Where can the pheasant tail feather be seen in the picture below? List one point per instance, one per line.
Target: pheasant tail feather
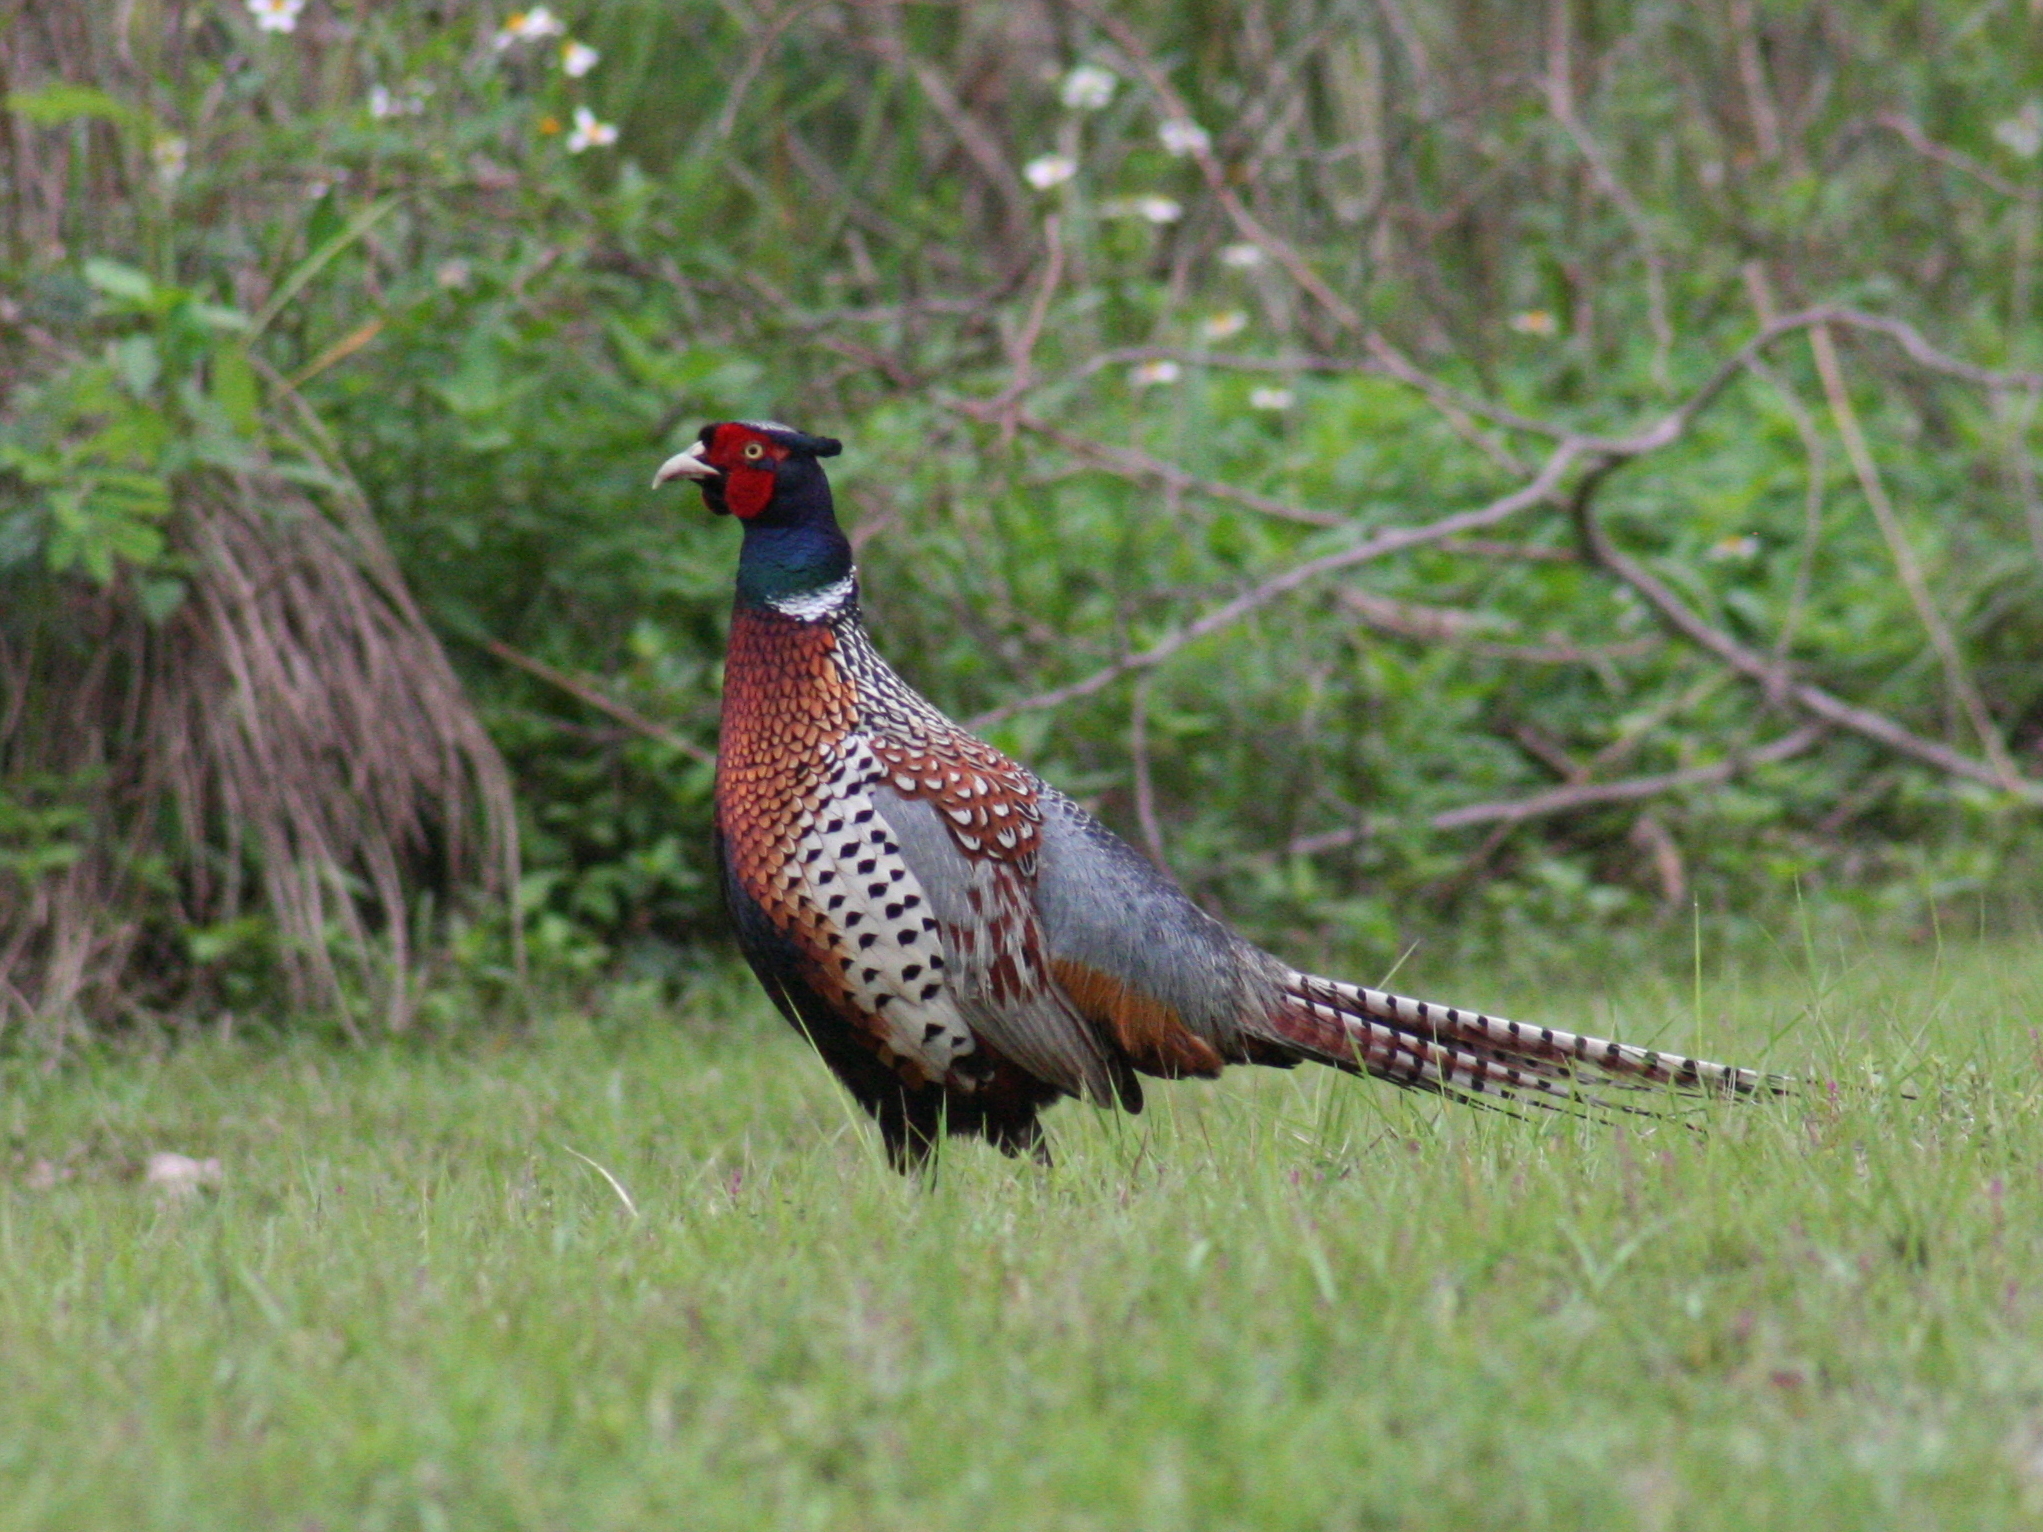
(1455, 1052)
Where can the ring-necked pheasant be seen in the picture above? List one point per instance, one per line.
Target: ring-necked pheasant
(961, 942)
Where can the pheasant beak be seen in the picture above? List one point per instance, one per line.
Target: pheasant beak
(686, 465)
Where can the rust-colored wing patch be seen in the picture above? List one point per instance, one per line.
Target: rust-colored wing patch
(1150, 1034)
(988, 802)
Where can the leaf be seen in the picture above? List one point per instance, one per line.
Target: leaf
(119, 281)
(160, 598)
(136, 359)
(48, 105)
(234, 389)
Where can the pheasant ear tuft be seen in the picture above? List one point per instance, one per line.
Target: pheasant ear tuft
(826, 446)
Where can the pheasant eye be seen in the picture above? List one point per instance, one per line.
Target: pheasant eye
(754, 452)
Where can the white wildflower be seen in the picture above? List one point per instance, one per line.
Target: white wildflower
(2022, 134)
(1180, 135)
(1740, 548)
(170, 154)
(1241, 257)
(1148, 374)
(1157, 210)
(1270, 398)
(179, 1175)
(577, 59)
(525, 27)
(1048, 170)
(1088, 88)
(1224, 325)
(275, 15)
(454, 275)
(385, 103)
(589, 133)
(1534, 322)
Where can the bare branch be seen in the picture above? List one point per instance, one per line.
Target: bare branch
(1580, 795)
(1574, 796)
(1921, 352)
(1756, 667)
(1395, 540)
(1448, 625)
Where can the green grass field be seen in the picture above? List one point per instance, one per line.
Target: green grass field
(1283, 1301)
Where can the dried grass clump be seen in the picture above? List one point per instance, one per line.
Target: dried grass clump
(289, 741)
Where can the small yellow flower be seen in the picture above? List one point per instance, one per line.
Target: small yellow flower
(549, 124)
(1225, 325)
(1535, 322)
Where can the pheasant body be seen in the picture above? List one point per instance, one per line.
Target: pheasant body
(962, 943)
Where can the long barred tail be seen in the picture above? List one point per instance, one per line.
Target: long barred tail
(1454, 1052)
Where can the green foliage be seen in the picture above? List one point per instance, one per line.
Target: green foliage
(1284, 1300)
(503, 321)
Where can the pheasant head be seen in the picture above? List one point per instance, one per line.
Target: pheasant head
(769, 477)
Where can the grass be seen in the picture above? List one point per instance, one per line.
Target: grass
(1283, 1301)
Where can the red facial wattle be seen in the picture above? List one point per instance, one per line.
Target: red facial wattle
(748, 459)
(747, 490)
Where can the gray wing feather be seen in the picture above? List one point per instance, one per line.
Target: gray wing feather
(1104, 905)
(1041, 1031)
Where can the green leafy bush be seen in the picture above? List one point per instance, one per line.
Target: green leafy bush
(1124, 315)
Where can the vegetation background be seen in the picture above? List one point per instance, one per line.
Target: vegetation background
(1169, 342)
(1551, 486)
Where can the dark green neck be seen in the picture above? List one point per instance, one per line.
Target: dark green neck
(794, 548)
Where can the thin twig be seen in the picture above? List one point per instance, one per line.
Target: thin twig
(1766, 122)
(1560, 102)
(1133, 461)
(1912, 133)
(1579, 795)
(583, 692)
(1008, 406)
(1145, 789)
(1905, 565)
(1574, 796)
